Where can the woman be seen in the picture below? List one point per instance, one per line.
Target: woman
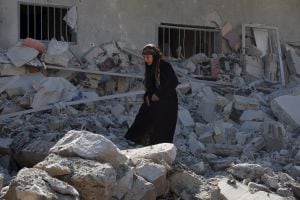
(156, 120)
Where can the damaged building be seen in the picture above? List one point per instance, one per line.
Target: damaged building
(71, 83)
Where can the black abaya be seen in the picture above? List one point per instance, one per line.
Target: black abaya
(156, 123)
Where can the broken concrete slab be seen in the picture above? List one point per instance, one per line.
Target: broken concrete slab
(20, 55)
(195, 146)
(252, 126)
(255, 115)
(286, 109)
(141, 190)
(245, 103)
(185, 117)
(238, 191)
(32, 153)
(155, 174)
(124, 182)
(90, 178)
(90, 146)
(37, 184)
(53, 90)
(190, 188)
(58, 53)
(165, 152)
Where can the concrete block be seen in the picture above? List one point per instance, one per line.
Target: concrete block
(245, 103)
(185, 117)
(33, 183)
(254, 115)
(185, 185)
(246, 170)
(90, 146)
(20, 55)
(160, 152)
(155, 174)
(252, 126)
(124, 181)
(286, 109)
(195, 146)
(141, 190)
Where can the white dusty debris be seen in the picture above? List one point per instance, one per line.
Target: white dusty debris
(65, 120)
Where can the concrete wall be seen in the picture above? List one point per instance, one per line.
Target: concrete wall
(135, 20)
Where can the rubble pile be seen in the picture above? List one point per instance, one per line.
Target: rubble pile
(236, 136)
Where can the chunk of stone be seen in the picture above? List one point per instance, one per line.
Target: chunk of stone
(271, 181)
(185, 185)
(141, 190)
(286, 109)
(245, 103)
(90, 178)
(160, 152)
(33, 183)
(185, 117)
(246, 170)
(88, 145)
(124, 181)
(155, 174)
(254, 115)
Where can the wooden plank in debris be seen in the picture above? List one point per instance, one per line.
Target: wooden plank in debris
(72, 103)
(94, 72)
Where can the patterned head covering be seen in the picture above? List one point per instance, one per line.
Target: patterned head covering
(151, 49)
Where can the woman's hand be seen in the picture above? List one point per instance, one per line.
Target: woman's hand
(154, 97)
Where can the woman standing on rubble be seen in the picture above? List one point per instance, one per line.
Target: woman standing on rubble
(156, 120)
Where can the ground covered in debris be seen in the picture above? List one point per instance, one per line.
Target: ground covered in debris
(64, 116)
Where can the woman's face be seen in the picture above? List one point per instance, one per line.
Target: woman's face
(148, 59)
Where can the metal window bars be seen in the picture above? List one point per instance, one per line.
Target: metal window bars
(43, 22)
(183, 42)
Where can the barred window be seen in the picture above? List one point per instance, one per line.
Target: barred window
(44, 22)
